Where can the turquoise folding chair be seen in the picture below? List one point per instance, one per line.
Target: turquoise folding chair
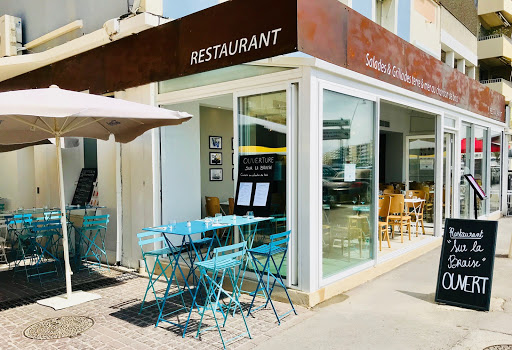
(38, 248)
(226, 261)
(56, 215)
(3, 244)
(17, 225)
(278, 246)
(148, 238)
(92, 241)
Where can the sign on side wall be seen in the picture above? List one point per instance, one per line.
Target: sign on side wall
(467, 262)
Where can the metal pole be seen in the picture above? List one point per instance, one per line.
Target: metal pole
(475, 205)
(63, 219)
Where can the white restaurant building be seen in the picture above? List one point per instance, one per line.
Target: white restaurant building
(324, 88)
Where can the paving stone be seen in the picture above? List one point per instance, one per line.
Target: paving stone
(118, 324)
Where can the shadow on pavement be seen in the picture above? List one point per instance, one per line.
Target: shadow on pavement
(425, 297)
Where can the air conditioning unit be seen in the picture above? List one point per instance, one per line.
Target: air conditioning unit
(10, 35)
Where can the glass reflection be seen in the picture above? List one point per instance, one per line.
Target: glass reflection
(495, 189)
(347, 178)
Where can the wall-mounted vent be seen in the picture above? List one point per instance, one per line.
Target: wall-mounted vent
(384, 123)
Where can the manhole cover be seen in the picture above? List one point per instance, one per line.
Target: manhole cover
(59, 327)
(499, 347)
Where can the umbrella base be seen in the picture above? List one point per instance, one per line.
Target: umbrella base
(62, 302)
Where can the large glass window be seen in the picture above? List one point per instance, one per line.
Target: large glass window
(347, 182)
(465, 164)
(495, 189)
(481, 165)
(262, 129)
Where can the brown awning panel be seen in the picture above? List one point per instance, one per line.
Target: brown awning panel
(241, 31)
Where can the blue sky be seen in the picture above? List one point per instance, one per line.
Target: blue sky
(180, 8)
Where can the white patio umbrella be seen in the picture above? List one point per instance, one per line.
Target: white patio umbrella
(30, 116)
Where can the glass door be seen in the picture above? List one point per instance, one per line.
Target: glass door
(466, 156)
(263, 125)
(448, 178)
(348, 176)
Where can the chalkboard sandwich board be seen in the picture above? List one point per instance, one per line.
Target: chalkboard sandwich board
(467, 263)
(85, 186)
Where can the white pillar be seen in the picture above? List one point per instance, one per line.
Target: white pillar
(461, 65)
(472, 72)
(450, 59)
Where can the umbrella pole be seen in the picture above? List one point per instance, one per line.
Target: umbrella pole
(63, 220)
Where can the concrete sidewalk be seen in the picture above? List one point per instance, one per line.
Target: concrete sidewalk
(397, 311)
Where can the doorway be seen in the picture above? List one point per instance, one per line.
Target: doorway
(407, 169)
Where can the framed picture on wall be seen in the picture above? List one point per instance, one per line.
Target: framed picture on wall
(215, 158)
(215, 142)
(232, 159)
(233, 174)
(215, 174)
(232, 144)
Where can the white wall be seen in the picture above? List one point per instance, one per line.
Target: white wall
(107, 192)
(26, 189)
(9, 179)
(137, 181)
(46, 175)
(216, 122)
(181, 167)
(426, 26)
(402, 120)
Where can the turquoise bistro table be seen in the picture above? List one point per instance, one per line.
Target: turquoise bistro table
(247, 229)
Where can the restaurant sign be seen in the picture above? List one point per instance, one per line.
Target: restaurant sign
(234, 47)
(224, 35)
(335, 33)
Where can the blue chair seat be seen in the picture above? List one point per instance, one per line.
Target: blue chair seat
(219, 264)
(201, 241)
(162, 251)
(267, 250)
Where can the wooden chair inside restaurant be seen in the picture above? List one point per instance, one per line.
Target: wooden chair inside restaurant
(231, 209)
(429, 201)
(212, 205)
(384, 203)
(417, 216)
(357, 226)
(398, 216)
(388, 191)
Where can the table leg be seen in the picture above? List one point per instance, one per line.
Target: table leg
(170, 281)
(247, 260)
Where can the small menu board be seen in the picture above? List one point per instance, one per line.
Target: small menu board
(467, 262)
(85, 186)
(255, 179)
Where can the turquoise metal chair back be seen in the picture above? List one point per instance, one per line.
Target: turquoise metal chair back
(52, 215)
(228, 256)
(39, 248)
(270, 253)
(226, 261)
(162, 249)
(92, 241)
(20, 219)
(94, 222)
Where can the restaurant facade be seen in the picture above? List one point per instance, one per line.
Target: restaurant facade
(347, 108)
